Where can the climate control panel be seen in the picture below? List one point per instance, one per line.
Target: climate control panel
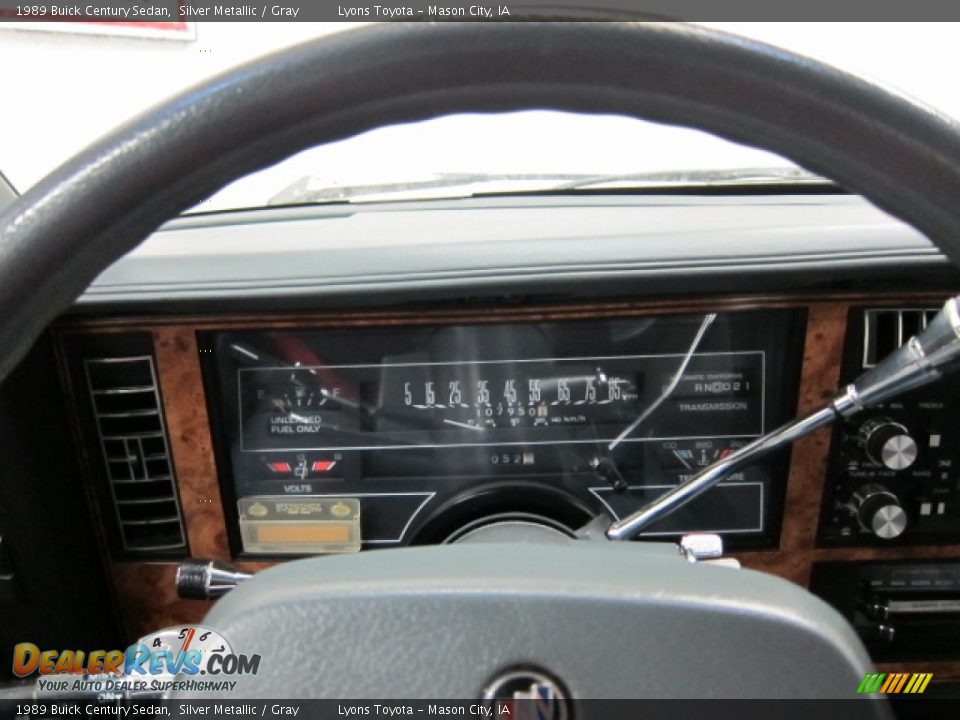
(893, 477)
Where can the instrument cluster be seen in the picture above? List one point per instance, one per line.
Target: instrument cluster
(335, 439)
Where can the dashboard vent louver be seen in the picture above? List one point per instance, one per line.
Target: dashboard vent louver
(885, 330)
(133, 440)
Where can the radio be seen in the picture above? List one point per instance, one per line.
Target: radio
(893, 476)
(902, 611)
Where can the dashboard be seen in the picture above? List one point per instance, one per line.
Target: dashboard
(299, 434)
(234, 432)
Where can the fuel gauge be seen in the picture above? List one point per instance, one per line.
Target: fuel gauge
(294, 408)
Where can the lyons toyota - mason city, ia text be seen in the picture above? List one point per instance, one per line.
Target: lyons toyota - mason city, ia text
(391, 11)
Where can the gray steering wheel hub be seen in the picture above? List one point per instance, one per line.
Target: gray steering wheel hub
(607, 620)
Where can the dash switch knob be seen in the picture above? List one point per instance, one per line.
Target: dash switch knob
(879, 511)
(888, 443)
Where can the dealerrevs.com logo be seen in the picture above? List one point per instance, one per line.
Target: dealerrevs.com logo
(170, 659)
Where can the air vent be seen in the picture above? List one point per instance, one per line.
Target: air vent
(136, 455)
(885, 330)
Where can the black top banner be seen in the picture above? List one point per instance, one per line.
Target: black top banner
(180, 11)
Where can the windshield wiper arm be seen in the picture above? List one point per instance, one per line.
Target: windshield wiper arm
(312, 190)
(738, 177)
(308, 190)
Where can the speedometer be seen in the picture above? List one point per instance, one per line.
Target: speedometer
(509, 394)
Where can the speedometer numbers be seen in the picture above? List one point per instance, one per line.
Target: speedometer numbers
(478, 400)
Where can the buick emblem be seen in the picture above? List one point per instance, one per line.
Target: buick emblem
(526, 695)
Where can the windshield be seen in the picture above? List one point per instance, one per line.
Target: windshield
(112, 77)
(462, 155)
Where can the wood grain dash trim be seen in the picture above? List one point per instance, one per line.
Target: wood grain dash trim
(184, 400)
(943, 671)
(148, 598)
(820, 374)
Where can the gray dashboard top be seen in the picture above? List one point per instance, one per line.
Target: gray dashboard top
(513, 242)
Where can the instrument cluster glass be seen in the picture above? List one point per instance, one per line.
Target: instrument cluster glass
(424, 428)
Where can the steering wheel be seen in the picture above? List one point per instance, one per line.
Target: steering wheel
(595, 619)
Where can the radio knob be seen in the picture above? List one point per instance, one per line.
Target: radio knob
(879, 511)
(888, 443)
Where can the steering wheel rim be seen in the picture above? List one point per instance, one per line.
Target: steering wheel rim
(72, 225)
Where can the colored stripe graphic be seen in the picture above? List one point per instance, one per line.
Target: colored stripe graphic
(892, 680)
(894, 683)
(871, 682)
(921, 682)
